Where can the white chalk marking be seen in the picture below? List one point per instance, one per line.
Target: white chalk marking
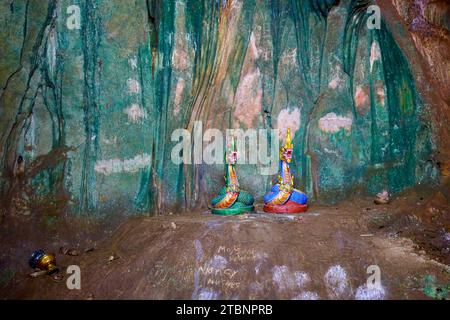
(336, 281)
(307, 295)
(370, 293)
(135, 113)
(139, 162)
(133, 86)
(332, 123)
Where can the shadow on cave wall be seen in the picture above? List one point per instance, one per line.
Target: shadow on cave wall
(91, 111)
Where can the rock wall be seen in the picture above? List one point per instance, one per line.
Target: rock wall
(92, 109)
(422, 29)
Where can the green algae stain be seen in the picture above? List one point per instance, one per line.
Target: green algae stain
(434, 290)
(406, 98)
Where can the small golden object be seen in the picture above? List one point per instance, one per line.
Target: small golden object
(43, 261)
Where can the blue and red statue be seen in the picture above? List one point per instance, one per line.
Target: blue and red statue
(283, 198)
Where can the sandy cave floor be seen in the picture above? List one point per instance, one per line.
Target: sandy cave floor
(323, 254)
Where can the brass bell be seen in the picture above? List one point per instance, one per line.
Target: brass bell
(43, 261)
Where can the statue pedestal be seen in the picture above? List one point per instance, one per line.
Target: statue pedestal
(232, 211)
(289, 207)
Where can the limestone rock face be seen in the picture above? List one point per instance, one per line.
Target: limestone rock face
(424, 34)
(91, 94)
(438, 13)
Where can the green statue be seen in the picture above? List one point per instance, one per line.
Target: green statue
(231, 199)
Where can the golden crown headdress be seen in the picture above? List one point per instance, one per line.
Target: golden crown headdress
(288, 144)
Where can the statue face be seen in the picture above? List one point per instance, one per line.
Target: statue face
(232, 157)
(287, 155)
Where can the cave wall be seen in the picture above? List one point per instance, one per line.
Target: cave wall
(422, 29)
(92, 110)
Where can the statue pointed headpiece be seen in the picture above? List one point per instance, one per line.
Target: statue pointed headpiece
(288, 144)
(233, 143)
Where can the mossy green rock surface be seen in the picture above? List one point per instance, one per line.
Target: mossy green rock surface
(92, 110)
